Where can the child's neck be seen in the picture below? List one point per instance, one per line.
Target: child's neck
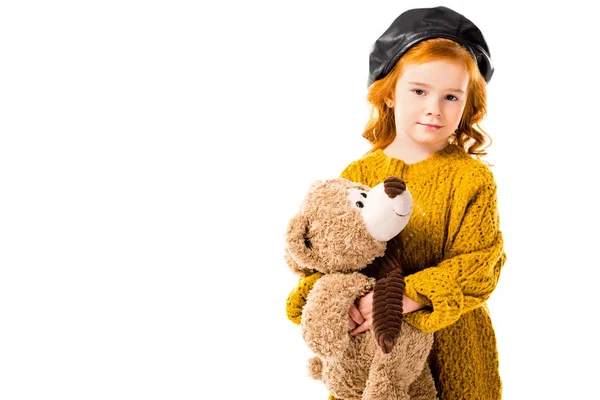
(411, 152)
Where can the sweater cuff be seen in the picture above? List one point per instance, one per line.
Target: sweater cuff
(442, 297)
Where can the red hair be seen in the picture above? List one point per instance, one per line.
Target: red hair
(381, 129)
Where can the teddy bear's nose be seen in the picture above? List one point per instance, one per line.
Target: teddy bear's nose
(393, 186)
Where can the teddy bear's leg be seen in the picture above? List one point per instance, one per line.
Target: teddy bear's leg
(346, 377)
(392, 374)
(325, 316)
(381, 384)
(423, 388)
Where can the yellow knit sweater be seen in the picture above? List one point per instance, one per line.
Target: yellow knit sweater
(452, 249)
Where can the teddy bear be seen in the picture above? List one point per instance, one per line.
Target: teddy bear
(346, 233)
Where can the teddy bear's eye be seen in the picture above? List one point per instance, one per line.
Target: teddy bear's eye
(307, 243)
(360, 204)
(363, 195)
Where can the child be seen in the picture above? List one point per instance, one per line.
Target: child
(427, 80)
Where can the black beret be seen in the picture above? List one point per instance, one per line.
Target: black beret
(416, 25)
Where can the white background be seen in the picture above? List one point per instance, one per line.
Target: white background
(151, 154)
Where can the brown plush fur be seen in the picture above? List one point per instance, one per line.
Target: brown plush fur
(329, 236)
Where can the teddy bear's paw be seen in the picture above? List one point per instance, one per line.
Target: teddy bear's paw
(315, 368)
(358, 284)
(386, 341)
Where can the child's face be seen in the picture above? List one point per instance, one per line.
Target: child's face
(436, 103)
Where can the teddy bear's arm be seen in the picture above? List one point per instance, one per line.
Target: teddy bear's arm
(297, 297)
(325, 315)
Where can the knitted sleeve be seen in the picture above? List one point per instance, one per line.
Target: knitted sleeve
(297, 297)
(473, 258)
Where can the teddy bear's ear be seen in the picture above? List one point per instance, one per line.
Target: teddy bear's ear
(314, 184)
(295, 268)
(298, 244)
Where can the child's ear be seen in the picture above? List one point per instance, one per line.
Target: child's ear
(389, 101)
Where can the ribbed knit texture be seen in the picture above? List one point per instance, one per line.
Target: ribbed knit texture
(451, 253)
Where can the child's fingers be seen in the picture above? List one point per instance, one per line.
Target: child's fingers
(361, 328)
(351, 323)
(356, 315)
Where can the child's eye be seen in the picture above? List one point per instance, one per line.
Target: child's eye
(451, 95)
(418, 90)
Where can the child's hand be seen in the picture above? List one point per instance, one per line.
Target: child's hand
(354, 317)
(365, 307)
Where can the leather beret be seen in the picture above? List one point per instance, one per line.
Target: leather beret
(416, 25)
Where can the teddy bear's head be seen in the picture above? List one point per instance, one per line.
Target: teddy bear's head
(343, 226)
